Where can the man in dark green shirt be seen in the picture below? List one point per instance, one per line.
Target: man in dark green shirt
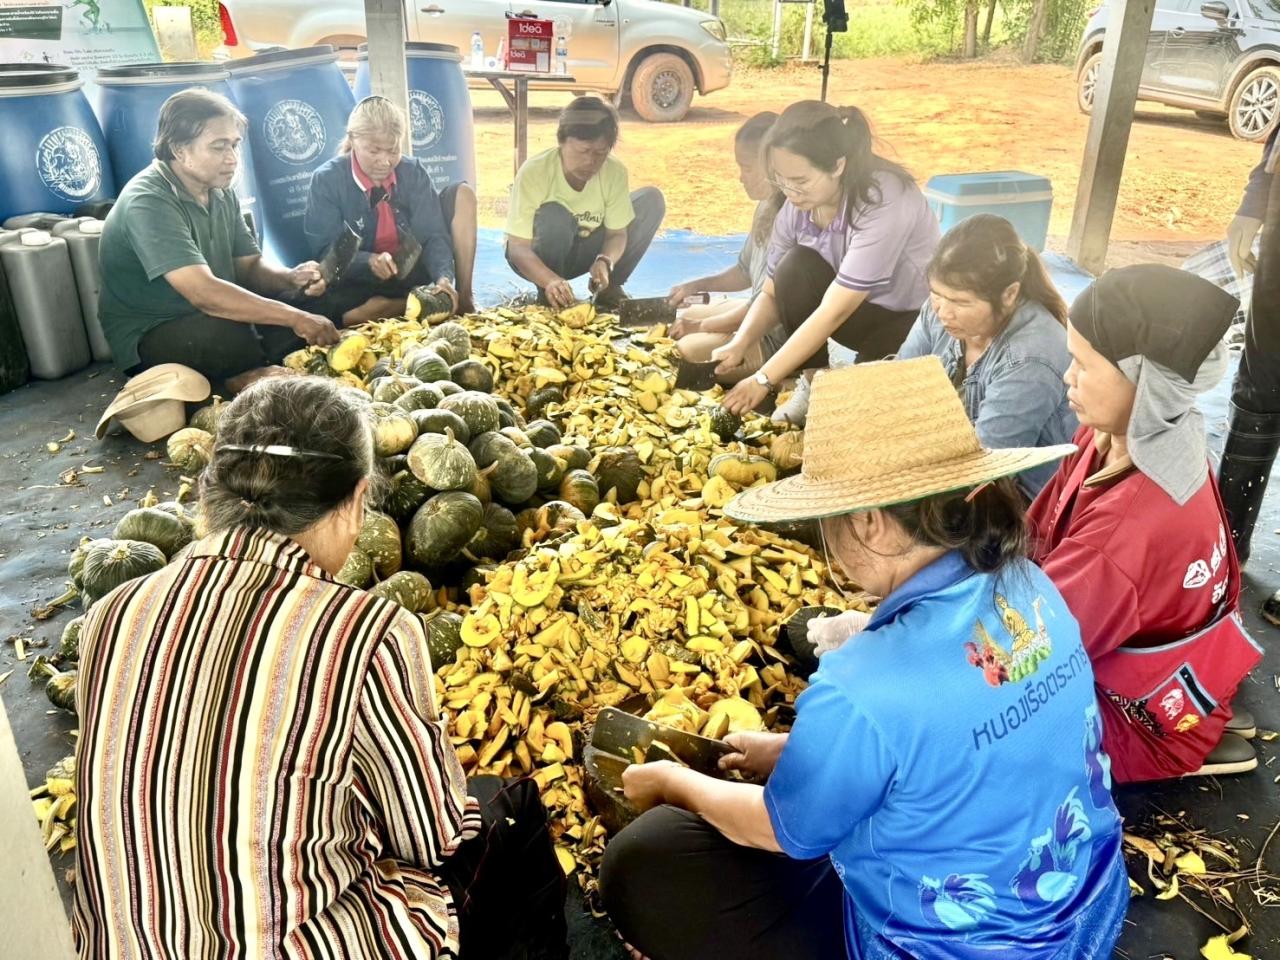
(183, 280)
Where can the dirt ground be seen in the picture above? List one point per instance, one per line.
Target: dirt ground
(1181, 185)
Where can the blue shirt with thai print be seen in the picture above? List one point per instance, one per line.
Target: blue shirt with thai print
(948, 760)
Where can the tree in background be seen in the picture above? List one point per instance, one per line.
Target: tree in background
(1045, 30)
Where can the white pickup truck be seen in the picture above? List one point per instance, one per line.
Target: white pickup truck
(658, 53)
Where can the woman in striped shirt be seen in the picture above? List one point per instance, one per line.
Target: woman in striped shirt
(263, 771)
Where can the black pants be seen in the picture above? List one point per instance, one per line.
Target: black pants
(800, 282)
(557, 244)
(506, 883)
(216, 347)
(1257, 385)
(675, 887)
(352, 292)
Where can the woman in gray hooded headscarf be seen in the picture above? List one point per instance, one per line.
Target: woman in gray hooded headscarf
(1132, 531)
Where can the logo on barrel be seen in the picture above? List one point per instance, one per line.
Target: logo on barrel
(427, 117)
(294, 131)
(68, 162)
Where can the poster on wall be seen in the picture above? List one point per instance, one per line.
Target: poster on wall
(86, 34)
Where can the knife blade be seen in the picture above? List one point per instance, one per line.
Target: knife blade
(339, 255)
(617, 732)
(410, 250)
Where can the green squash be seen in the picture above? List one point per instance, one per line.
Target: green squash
(516, 478)
(156, 527)
(190, 450)
(579, 488)
(381, 368)
(498, 535)
(69, 643)
(75, 566)
(442, 527)
(481, 489)
(357, 571)
(441, 421)
(428, 304)
(109, 563)
(392, 388)
(208, 416)
(448, 388)
(404, 496)
(518, 437)
(422, 397)
(472, 375)
(618, 469)
(393, 429)
(725, 425)
(508, 415)
(536, 405)
(479, 411)
(550, 470)
(444, 637)
(456, 335)
(486, 448)
(448, 352)
(427, 365)
(390, 466)
(574, 457)
(380, 539)
(441, 462)
(61, 689)
(408, 588)
(542, 433)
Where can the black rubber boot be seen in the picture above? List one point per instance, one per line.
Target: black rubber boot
(1246, 466)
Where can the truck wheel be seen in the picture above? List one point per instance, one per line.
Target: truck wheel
(1087, 83)
(662, 88)
(1255, 104)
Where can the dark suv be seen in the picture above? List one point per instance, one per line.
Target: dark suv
(1218, 59)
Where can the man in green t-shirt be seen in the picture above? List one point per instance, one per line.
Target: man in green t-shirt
(183, 280)
(572, 212)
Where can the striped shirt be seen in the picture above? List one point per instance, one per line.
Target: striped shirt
(262, 770)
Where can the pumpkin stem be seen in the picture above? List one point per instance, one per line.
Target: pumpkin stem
(50, 608)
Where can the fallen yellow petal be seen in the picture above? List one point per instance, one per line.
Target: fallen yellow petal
(1171, 891)
(1191, 863)
(1218, 948)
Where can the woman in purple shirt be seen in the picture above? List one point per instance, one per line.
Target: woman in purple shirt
(848, 256)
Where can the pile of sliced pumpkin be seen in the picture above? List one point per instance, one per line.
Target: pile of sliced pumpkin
(555, 515)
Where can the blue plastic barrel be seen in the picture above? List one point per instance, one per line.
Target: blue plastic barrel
(54, 158)
(297, 102)
(442, 132)
(128, 105)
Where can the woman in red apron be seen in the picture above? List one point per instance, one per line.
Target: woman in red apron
(1133, 533)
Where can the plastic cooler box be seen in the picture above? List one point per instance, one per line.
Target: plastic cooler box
(1024, 199)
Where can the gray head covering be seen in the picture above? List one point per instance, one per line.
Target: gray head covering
(1166, 431)
(1163, 329)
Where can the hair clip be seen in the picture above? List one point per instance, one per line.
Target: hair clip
(975, 491)
(277, 450)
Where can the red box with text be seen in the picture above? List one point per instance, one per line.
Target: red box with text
(529, 44)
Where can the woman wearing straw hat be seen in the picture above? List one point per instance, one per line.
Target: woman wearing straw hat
(998, 323)
(942, 792)
(1133, 532)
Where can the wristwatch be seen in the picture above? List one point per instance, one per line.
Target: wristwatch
(762, 378)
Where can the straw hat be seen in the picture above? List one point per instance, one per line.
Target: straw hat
(152, 404)
(880, 434)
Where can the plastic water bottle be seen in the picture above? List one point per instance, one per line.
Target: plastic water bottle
(562, 55)
(477, 51)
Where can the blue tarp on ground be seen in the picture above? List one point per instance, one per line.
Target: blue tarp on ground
(674, 256)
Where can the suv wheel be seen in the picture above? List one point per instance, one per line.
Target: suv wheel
(1087, 82)
(1255, 104)
(662, 88)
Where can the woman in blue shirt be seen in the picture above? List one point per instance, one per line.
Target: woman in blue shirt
(943, 793)
(389, 200)
(995, 319)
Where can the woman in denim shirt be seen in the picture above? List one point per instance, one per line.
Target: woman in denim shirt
(998, 324)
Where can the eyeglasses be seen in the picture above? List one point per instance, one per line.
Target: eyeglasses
(791, 186)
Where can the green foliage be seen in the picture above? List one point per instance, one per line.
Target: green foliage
(204, 19)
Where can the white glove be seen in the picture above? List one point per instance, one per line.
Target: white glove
(1240, 236)
(829, 633)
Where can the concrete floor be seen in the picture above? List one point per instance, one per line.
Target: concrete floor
(41, 521)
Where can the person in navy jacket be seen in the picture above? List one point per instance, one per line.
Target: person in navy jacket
(384, 196)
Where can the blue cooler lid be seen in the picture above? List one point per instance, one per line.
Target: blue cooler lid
(282, 59)
(143, 73)
(1003, 185)
(19, 79)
